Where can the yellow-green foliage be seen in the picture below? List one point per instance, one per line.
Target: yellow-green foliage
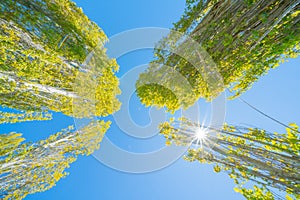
(43, 45)
(271, 160)
(36, 167)
(245, 39)
(9, 117)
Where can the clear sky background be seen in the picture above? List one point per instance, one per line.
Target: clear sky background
(277, 94)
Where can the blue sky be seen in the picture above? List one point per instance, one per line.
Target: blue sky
(277, 94)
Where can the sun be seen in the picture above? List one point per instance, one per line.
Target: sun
(200, 136)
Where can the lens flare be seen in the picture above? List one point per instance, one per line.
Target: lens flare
(200, 136)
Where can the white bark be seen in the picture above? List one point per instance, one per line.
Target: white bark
(42, 88)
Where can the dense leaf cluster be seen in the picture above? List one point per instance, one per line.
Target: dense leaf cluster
(270, 160)
(245, 39)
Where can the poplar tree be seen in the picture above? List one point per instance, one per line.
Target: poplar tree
(44, 46)
(270, 160)
(244, 40)
(27, 168)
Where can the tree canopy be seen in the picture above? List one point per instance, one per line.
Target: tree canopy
(244, 39)
(44, 46)
(26, 168)
(270, 160)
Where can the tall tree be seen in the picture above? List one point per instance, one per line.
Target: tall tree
(270, 160)
(244, 39)
(27, 168)
(51, 58)
(43, 48)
